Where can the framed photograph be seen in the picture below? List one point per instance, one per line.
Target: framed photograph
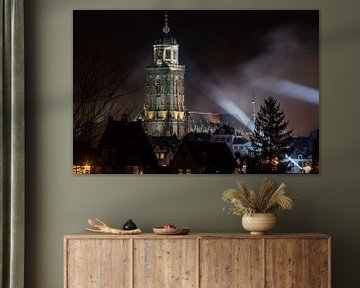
(196, 92)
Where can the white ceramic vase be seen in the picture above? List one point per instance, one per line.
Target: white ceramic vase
(259, 223)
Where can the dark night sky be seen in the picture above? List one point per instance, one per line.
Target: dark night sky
(229, 56)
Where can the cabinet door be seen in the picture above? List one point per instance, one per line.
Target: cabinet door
(231, 263)
(98, 263)
(287, 263)
(297, 263)
(320, 263)
(166, 263)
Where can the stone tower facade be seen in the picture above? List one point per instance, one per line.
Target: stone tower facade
(164, 110)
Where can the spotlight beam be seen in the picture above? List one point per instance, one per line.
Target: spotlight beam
(233, 109)
(293, 161)
(288, 88)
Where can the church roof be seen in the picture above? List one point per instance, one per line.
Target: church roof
(130, 141)
(225, 129)
(166, 39)
(210, 156)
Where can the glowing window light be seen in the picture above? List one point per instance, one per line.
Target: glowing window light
(82, 169)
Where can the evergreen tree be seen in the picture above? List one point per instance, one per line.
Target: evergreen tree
(271, 140)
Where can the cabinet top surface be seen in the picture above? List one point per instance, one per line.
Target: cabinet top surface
(86, 235)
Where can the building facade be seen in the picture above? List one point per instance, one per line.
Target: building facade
(124, 148)
(236, 142)
(164, 109)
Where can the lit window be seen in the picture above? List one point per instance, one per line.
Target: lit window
(87, 169)
(162, 155)
(76, 169)
(81, 169)
(167, 54)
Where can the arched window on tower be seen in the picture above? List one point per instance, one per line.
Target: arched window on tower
(176, 86)
(158, 86)
(167, 55)
(159, 54)
(158, 94)
(181, 87)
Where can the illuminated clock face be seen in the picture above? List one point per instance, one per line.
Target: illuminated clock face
(166, 29)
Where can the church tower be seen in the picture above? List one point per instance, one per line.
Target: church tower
(164, 110)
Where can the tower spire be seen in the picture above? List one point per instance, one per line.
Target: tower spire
(166, 28)
(165, 111)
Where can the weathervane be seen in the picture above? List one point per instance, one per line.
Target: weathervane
(166, 28)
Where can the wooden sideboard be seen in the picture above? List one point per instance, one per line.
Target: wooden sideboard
(197, 260)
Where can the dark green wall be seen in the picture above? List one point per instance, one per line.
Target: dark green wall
(59, 203)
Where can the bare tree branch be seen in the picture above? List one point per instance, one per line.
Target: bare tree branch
(101, 78)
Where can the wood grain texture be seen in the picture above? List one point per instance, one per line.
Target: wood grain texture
(98, 264)
(165, 263)
(287, 263)
(88, 235)
(197, 261)
(319, 263)
(231, 263)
